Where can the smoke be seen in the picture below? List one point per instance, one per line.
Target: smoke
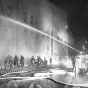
(71, 39)
(47, 22)
(65, 35)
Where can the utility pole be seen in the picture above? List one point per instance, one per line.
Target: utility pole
(17, 26)
(51, 33)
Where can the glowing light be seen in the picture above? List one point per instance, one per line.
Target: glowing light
(68, 63)
(52, 72)
(81, 62)
(58, 71)
(29, 27)
(71, 73)
(81, 56)
(66, 27)
(63, 36)
(54, 62)
(22, 78)
(81, 52)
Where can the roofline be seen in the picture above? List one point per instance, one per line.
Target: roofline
(55, 6)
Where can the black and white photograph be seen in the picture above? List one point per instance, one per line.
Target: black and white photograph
(43, 43)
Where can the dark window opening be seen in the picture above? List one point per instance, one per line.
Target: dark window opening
(9, 11)
(1, 8)
(25, 17)
(31, 20)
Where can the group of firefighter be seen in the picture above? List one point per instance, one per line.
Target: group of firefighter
(38, 61)
(16, 62)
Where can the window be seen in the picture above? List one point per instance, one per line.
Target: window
(18, 2)
(25, 17)
(1, 8)
(32, 20)
(8, 11)
(25, 20)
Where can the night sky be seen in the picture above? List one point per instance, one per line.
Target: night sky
(77, 17)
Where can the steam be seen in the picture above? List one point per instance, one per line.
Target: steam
(62, 34)
(65, 36)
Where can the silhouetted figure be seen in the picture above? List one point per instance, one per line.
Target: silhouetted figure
(15, 61)
(50, 60)
(45, 61)
(0, 67)
(38, 60)
(6, 62)
(73, 63)
(22, 61)
(10, 61)
(32, 61)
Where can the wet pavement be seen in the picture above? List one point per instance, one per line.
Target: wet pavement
(7, 82)
(53, 78)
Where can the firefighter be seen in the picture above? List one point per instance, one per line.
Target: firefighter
(15, 61)
(39, 60)
(50, 60)
(45, 61)
(73, 63)
(32, 61)
(6, 63)
(22, 61)
(10, 61)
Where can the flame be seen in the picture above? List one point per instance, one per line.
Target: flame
(67, 63)
(63, 36)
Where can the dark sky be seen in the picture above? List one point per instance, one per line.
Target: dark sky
(77, 16)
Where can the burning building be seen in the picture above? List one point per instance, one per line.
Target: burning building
(18, 40)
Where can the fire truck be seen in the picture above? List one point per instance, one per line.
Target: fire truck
(81, 63)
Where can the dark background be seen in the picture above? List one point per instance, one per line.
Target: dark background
(77, 17)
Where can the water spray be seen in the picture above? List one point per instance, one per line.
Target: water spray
(32, 28)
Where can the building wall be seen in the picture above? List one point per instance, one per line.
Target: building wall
(18, 40)
(54, 20)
